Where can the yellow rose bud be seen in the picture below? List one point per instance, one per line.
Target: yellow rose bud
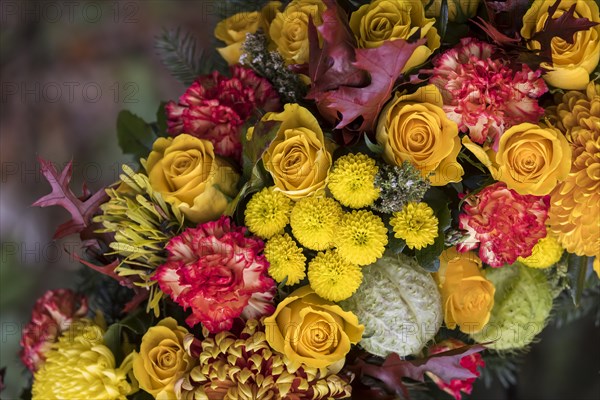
(385, 20)
(186, 171)
(289, 29)
(297, 158)
(532, 159)
(467, 296)
(572, 63)
(458, 10)
(233, 32)
(162, 359)
(415, 128)
(312, 331)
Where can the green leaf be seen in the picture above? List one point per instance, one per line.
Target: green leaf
(178, 52)
(577, 274)
(442, 21)
(428, 257)
(263, 134)
(134, 134)
(374, 147)
(136, 323)
(113, 340)
(161, 120)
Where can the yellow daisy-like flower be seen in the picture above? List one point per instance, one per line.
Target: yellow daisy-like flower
(332, 277)
(267, 212)
(314, 221)
(361, 237)
(351, 181)
(544, 254)
(80, 366)
(285, 259)
(416, 224)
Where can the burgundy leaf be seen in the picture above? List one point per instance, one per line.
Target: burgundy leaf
(497, 37)
(2, 373)
(563, 27)
(384, 65)
(81, 209)
(332, 65)
(446, 365)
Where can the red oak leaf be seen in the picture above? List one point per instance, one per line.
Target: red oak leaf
(331, 66)
(445, 365)
(81, 209)
(384, 65)
(563, 27)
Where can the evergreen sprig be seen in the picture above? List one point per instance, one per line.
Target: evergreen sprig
(179, 53)
(503, 367)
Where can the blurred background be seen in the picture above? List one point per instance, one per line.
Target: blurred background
(66, 69)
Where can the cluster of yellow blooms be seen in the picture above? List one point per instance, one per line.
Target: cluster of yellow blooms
(344, 240)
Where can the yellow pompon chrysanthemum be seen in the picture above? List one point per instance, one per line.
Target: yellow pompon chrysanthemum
(546, 252)
(351, 180)
(332, 277)
(416, 224)
(285, 259)
(314, 221)
(80, 366)
(267, 212)
(361, 237)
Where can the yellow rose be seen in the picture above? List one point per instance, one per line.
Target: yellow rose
(384, 20)
(571, 63)
(289, 29)
(162, 359)
(233, 30)
(531, 159)
(312, 331)
(467, 296)
(297, 158)
(458, 10)
(186, 171)
(415, 128)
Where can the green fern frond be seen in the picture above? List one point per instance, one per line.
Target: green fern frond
(179, 53)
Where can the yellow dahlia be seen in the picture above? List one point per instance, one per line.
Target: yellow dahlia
(267, 212)
(352, 180)
(314, 221)
(361, 237)
(574, 217)
(416, 224)
(332, 277)
(285, 259)
(80, 366)
(544, 254)
(245, 367)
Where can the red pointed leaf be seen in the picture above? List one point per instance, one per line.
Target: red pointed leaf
(384, 65)
(332, 65)
(563, 27)
(497, 37)
(80, 208)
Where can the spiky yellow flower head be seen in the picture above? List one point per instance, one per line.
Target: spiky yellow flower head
(314, 221)
(416, 224)
(574, 213)
(80, 366)
(332, 277)
(267, 212)
(361, 237)
(544, 254)
(285, 259)
(245, 367)
(351, 181)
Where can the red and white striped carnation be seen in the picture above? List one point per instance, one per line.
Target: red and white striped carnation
(483, 93)
(503, 223)
(218, 273)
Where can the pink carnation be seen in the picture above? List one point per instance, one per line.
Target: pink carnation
(219, 273)
(472, 362)
(503, 223)
(485, 95)
(52, 314)
(215, 107)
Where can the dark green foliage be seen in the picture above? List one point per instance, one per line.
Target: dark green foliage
(104, 294)
(503, 367)
(179, 53)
